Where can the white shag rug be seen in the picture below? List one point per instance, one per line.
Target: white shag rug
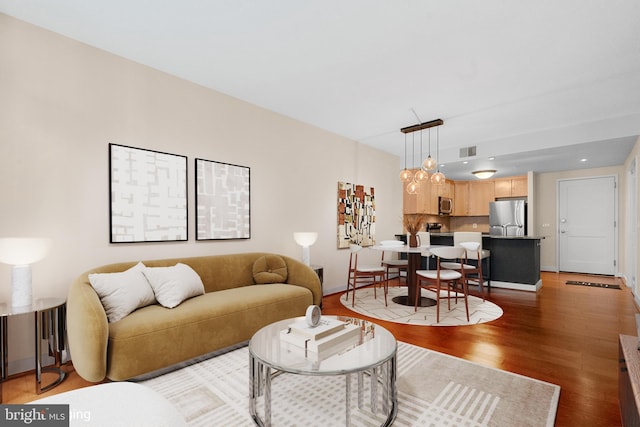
(479, 311)
(434, 389)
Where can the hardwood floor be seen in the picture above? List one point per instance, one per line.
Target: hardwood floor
(566, 335)
(563, 334)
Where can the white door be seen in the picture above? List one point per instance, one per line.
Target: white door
(587, 225)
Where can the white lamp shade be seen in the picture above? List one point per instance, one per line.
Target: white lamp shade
(305, 238)
(23, 250)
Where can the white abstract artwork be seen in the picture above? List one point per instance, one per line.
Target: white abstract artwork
(148, 195)
(223, 201)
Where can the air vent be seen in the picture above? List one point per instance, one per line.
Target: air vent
(468, 151)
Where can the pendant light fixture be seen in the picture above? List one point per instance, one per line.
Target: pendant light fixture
(438, 177)
(429, 163)
(421, 174)
(405, 175)
(413, 186)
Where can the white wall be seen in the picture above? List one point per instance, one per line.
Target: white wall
(62, 102)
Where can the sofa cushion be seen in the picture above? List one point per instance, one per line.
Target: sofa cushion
(172, 285)
(269, 269)
(123, 292)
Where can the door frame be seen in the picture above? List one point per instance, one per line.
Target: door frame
(631, 228)
(616, 217)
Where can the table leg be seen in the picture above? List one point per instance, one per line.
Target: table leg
(49, 326)
(414, 262)
(348, 399)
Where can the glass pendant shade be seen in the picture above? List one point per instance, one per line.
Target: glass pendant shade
(406, 175)
(412, 187)
(437, 178)
(429, 163)
(421, 175)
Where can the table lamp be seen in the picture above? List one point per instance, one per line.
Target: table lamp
(21, 252)
(305, 239)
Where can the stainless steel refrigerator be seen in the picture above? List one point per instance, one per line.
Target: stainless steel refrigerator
(507, 218)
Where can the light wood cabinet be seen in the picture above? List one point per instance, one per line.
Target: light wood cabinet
(441, 190)
(515, 186)
(470, 198)
(461, 198)
(419, 202)
(481, 193)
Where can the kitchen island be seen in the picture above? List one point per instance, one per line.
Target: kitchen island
(514, 261)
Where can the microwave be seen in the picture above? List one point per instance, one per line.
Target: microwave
(445, 206)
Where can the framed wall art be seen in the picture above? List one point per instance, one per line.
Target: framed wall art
(223, 201)
(148, 195)
(356, 215)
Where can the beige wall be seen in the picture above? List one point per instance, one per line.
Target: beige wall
(62, 102)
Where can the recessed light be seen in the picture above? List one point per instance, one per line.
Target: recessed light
(583, 160)
(492, 158)
(465, 162)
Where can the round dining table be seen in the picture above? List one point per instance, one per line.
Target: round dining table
(414, 257)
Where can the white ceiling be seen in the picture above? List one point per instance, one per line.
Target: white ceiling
(538, 84)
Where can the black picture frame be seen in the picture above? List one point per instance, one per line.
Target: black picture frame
(223, 200)
(147, 195)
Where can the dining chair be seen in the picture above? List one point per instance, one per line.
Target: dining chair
(475, 236)
(394, 263)
(442, 279)
(471, 272)
(371, 274)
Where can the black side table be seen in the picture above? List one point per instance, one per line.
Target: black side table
(320, 272)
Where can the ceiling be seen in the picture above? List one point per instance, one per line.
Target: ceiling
(538, 85)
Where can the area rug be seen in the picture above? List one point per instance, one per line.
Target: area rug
(434, 389)
(479, 311)
(592, 284)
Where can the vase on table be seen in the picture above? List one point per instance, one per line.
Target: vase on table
(413, 240)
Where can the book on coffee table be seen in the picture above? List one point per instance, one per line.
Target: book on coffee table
(326, 327)
(329, 344)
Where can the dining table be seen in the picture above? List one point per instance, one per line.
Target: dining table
(414, 258)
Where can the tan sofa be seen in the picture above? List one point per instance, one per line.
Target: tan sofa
(230, 311)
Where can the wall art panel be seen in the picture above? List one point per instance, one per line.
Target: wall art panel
(356, 215)
(223, 201)
(148, 195)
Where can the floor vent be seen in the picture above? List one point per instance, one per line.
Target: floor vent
(468, 151)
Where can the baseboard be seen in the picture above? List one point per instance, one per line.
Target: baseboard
(517, 286)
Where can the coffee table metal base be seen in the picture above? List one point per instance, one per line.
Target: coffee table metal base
(382, 389)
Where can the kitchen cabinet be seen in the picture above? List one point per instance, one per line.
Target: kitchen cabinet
(425, 201)
(419, 202)
(461, 198)
(515, 186)
(481, 193)
(441, 190)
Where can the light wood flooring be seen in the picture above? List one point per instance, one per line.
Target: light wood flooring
(563, 334)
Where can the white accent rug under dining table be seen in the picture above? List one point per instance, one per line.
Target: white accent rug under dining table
(479, 311)
(434, 389)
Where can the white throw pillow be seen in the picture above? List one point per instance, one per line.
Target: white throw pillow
(121, 293)
(172, 285)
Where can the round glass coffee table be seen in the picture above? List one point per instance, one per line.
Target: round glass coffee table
(369, 351)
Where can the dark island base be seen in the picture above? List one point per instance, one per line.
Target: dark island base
(404, 300)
